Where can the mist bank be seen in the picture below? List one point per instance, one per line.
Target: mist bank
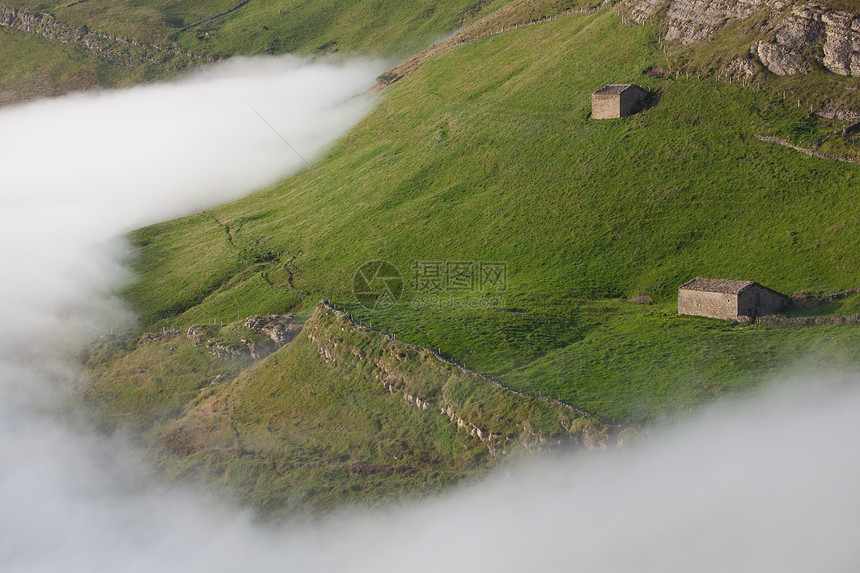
(749, 487)
(114, 160)
(78, 171)
(81, 169)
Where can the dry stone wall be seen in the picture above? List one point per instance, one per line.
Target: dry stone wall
(116, 49)
(808, 320)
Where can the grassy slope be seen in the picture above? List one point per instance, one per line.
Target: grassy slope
(821, 90)
(376, 27)
(33, 67)
(486, 153)
(298, 431)
(158, 379)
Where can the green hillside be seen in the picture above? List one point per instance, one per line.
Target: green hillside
(486, 153)
(225, 28)
(32, 65)
(374, 421)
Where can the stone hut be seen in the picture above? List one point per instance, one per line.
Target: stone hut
(733, 300)
(616, 100)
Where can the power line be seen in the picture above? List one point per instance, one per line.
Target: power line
(281, 136)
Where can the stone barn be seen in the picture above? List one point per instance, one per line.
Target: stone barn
(733, 300)
(616, 100)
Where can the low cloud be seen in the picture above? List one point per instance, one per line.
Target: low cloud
(766, 484)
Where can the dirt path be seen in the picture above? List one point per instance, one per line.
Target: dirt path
(491, 26)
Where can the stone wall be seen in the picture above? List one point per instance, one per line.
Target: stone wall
(759, 301)
(808, 320)
(712, 304)
(116, 49)
(804, 301)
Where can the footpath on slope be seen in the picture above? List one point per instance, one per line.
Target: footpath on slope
(491, 26)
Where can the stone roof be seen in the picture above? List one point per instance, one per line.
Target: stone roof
(717, 285)
(613, 89)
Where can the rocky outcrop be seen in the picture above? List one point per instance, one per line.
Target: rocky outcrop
(810, 29)
(798, 36)
(840, 114)
(220, 349)
(279, 327)
(842, 43)
(692, 21)
(644, 9)
(781, 60)
(739, 69)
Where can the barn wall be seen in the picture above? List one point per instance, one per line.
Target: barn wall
(769, 302)
(605, 106)
(713, 304)
(630, 100)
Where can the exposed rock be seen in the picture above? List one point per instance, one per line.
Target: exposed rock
(739, 69)
(800, 37)
(839, 50)
(416, 401)
(807, 29)
(643, 10)
(781, 60)
(840, 114)
(220, 349)
(642, 299)
(692, 21)
(280, 328)
(802, 28)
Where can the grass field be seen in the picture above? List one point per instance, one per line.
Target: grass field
(487, 154)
